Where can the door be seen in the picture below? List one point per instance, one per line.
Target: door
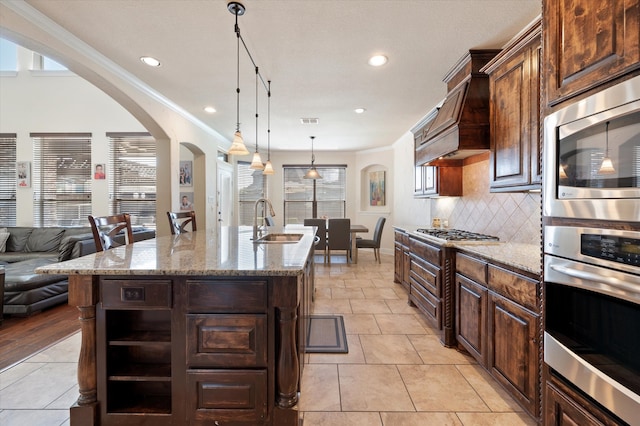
(225, 194)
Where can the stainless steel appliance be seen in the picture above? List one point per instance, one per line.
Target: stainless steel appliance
(592, 156)
(456, 235)
(592, 313)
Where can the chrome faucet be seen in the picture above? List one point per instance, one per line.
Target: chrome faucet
(255, 215)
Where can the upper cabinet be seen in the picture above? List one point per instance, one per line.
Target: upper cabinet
(514, 86)
(588, 43)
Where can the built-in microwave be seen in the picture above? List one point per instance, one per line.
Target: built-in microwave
(591, 156)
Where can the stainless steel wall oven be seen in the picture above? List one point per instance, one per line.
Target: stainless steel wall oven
(592, 156)
(592, 313)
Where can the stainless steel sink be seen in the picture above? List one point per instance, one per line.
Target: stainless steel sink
(279, 238)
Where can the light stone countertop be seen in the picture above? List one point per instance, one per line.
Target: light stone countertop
(526, 257)
(230, 253)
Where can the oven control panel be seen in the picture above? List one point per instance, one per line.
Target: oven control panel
(610, 247)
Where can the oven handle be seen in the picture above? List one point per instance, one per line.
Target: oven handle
(629, 286)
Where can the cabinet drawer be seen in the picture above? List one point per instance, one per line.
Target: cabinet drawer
(426, 275)
(422, 250)
(471, 268)
(427, 303)
(226, 296)
(227, 340)
(135, 294)
(514, 286)
(226, 397)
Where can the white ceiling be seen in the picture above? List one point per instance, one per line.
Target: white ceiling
(314, 51)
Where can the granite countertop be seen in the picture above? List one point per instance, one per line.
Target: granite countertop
(526, 257)
(229, 252)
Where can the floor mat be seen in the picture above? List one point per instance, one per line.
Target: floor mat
(326, 334)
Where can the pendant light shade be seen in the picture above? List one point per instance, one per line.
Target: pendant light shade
(268, 169)
(606, 168)
(256, 162)
(237, 146)
(312, 173)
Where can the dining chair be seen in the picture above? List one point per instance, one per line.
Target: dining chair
(106, 228)
(373, 243)
(339, 237)
(321, 233)
(179, 220)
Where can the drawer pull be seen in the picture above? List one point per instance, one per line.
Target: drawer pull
(132, 294)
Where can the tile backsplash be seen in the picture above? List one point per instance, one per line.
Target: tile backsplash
(514, 217)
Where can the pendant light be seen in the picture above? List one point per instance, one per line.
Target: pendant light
(312, 173)
(268, 168)
(256, 163)
(606, 168)
(237, 146)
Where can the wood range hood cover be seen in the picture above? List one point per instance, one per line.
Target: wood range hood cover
(461, 126)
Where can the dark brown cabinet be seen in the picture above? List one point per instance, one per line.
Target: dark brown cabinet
(498, 323)
(588, 43)
(402, 258)
(425, 280)
(471, 306)
(513, 359)
(442, 181)
(566, 407)
(514, 86)
(201, 350)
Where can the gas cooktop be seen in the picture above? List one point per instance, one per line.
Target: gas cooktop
(456, 235)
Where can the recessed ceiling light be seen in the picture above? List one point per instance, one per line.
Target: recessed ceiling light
(378, 60)
(209, 109)
(152, 62)
(359, 110)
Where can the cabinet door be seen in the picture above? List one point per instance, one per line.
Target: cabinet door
(588, 42)
(515, 128)
(471, 316)
(398, 263)
(406, 264)
(513, 357)
(564, 407)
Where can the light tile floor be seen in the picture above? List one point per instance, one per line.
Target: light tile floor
(396, 372)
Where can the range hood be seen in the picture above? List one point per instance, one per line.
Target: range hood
(460, 127)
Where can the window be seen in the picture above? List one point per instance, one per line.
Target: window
(8, 56)
(132, 177)
(251, 187)
(61, 179)
(8, 179)
(43, 63)
(307, 198)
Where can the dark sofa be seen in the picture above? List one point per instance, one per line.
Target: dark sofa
(28, 248)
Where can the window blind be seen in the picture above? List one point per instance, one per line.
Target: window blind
(132, 176)
(61, 179)
(251, 187)
(8, 179)
(330, 193)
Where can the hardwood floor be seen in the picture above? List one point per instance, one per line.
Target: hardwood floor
(21, 337)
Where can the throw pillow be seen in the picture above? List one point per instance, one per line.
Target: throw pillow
(4, 236)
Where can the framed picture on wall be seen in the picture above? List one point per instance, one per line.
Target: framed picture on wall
(186, 201)
(376, 189)
(23, 174)
(99, 172)
(186, 173)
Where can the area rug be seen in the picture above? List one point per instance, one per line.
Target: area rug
(326, 335)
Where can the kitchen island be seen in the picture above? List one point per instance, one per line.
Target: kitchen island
(197, 328)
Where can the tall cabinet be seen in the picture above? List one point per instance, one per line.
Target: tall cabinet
(514, 85)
